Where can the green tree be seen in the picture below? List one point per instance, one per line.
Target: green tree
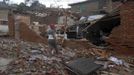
(6, 1)
(36, 6)
(22, 7)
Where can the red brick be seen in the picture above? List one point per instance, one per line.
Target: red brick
(27, 34)
(122, 38)
(11, 25)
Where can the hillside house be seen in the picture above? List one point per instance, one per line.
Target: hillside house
(92, 7)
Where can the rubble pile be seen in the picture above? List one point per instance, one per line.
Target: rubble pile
(121, 38)
(83, 53)
(32, 58)
(77, 44)
(35, 66)
(8, 48)
(116, 66)
(82, 48)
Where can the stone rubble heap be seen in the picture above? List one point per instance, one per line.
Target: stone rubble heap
(31, 58)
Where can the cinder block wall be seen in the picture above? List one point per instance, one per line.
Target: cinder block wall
(122, 37)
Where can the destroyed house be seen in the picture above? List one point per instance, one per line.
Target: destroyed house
(92, 7)
(48, 16)
(3, 18)
(115, 29)
(3, 13)
(99, 31)
(121, 37)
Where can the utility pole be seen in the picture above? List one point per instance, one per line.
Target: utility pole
(110, 5)
(66, 25)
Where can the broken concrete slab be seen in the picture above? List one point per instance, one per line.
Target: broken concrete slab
(83, 66)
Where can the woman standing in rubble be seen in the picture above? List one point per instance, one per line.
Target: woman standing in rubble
(52, 38)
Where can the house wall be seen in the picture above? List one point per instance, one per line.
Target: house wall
(62, 20)
(121, 38)
(86, 8)
(28, 34)
(3, 14)
(51, 18)
(11, 24)
(110, 6)
(25, 33)
(3, 22)
(94, 7)
(24, 18)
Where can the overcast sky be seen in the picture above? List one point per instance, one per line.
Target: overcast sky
(63, 3)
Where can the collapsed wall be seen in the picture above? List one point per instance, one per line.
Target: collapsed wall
(122, 37)
(102, 28)
(25, 32)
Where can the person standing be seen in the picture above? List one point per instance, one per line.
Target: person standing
(52, 38)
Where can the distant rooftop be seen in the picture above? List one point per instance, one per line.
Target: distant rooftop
(88, 1)
(82, 2)
(3, 5)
